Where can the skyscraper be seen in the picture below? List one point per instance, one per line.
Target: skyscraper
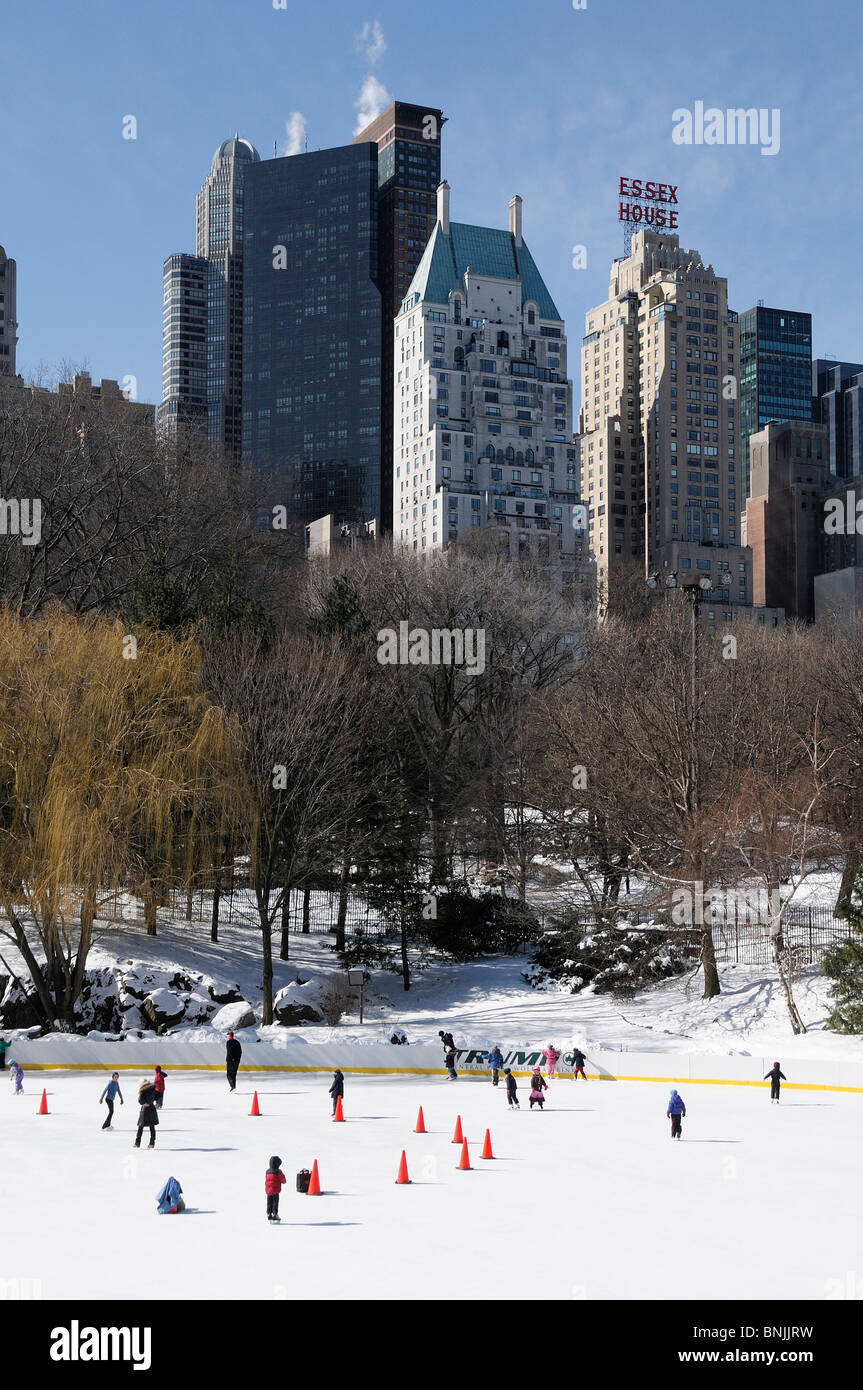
(8, 314)
(483, 407)
(775, 373)
(659, 453)
(837, 402)
(216, 274)
(408, 140)
(312, 331)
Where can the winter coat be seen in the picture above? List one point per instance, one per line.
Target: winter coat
(3, 1045)
(449, 1060)
(148, 1114)
(577, 1060)
(169, 1197)
(551, 1056)
(448, 1041)
(538, 1083)
(511, 1086)
(274, 1181)
(775, 1075)
(233, 1051)
(111, 1090)
(676, 1106)
(495, 1059)
(159, 1081)
(338, 1086)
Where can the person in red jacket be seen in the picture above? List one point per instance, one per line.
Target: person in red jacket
(159, 1084)
(273, 1184)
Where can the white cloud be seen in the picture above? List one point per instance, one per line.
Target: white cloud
(371, 41)
(372, 100)
(295, 133)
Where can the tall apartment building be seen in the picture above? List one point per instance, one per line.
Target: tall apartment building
(785, 515)
(408, 140)
(312, 331)
(775, 373)
(8, 314)
(837, 403)
(659, 443)
(215, 275)
(483, 407)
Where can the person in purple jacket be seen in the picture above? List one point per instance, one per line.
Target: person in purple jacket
(675, 1112)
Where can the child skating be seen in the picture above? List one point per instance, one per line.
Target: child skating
(538, 1084)
(511, 1089)
(111, 1091)
(273, 1184)
(774, 1076)
(552, 1057)
(159, 1087)
(578, 1060)
(675, 1112)
(16, 1076)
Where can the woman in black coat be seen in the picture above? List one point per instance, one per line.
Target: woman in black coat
(148, 1116)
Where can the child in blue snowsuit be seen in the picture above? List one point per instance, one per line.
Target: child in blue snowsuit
(16, 1076)
(495, 1061)
(676, 1111)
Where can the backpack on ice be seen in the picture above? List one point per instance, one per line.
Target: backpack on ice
(304, 1177)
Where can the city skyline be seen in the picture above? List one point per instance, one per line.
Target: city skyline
(89, 289)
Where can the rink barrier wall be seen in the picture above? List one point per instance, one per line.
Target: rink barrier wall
(62, 1052)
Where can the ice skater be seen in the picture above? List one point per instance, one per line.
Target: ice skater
(111, 1091)
(233, 1053)
(337, 1090)
(775, 1076)
(538, 1084)
(447, 1040)
(578, 1060)
(511, 1088)
(159, 1087)
(495, 1061)
(552, 1057)
(16, 1076)
(273, 1184)
(449, 1063)
(170, 1199)
(675, 1112)
(148, 1115)
(3, 1047)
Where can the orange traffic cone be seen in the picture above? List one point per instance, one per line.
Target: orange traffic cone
(403, 1170)
(486, 1148)
(255, 1110)
(464, 1161)
(457, 1136)
(338, 1116)
(421, 1124)
(314, 1182)
(43, 1105)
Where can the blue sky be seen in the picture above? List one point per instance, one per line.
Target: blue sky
(542, 99)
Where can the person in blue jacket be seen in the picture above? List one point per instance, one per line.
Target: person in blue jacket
(108, 1095)
(169, 1199)
(495, 1061)
(676, 1111)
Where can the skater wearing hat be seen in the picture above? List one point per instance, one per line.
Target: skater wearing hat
(495, 1061)
(233, 1053)
(552, 1057)
(148, 1115)
(675, 1112)
(274, 1181)
(774, 1076)
(538, 1084)
(578, 1064)
(511, 1088)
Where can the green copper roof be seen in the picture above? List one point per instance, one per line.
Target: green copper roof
(487, 251)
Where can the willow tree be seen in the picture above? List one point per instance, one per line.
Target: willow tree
(107, 746)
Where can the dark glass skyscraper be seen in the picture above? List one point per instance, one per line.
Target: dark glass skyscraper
(837, 402)
(775, 372)
(408, 140)
(184, 342)
(312, 331)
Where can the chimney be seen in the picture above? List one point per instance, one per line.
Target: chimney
(443, 206)
(515, 218)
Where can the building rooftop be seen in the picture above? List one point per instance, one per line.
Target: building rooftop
(486, 251)
(235, 148)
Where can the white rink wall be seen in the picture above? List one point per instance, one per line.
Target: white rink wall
(188, 1052)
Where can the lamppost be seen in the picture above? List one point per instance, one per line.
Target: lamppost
(696, 591)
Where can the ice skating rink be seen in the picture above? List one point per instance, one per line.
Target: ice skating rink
(590, 1199)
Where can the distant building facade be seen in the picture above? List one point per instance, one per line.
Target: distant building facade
(837, 403)
(8, 314)
(789, 470)
(775, 372)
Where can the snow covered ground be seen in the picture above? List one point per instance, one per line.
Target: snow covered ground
(588, 1200)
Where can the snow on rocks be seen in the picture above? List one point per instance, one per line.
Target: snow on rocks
(232, 1017)
(298, 1003)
